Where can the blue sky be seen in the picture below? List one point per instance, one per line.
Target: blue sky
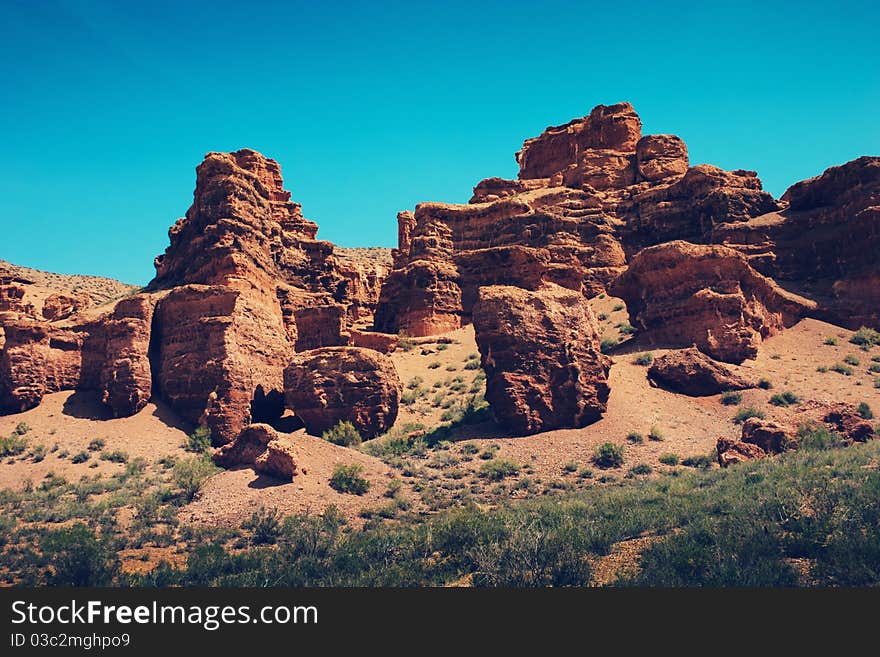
(109, 106)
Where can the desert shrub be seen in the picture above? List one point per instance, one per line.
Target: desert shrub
(13, 445)
(433, 365)
(784, 399)
(821, 369)
(617, 307)
(602, 317)
(393, 488)
(765, 384)
(656, 434)
(343, 433)
(498, 469)
(731, 398)
(626, 328)
(96, 445)
(38, 453)
(669, 459)
(472, 365)
(644, 359)
(875, 368)
(608, 455)
(831, 341)
(415, 383)
(442, 346)
(702, 461)
(470, 448)
(818, 437)
(21, 429)
(866, 338)
(635, 437)
(571, 466)
(850, 359)
(80, 457)
(348, 479)
(640, 469)
(840, 368)
(745, 413)
(191, 473)
(865, 411)
(877, 382)
(264, 525)
(78, 557)
(403, 440)
(116, 456)
(199, 441)
(607, 345)
(451, 368)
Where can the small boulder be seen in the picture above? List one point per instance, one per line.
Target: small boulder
(691, 372)
(731, 451)
(772, 437)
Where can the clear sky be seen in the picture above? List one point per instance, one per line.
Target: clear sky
(107, 107)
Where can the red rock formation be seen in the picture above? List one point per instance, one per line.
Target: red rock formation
(824, 244)
(589, 193)
(23, 365)
(326, 386)
(259, 446)
(731, 452)
(845, 419)
(691, 372)
(125, 377)
(61, 306)
(772, 437)
(540, 351)
(613, 127)
(705, 295)
(384, 343)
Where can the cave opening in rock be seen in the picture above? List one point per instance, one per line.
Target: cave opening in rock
(268, 408)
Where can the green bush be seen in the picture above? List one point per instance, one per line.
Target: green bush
(607, 345)
(702, 461)
(343, 433)
(866, 338)
(13, 445)
(840, 368)
(865, 411)
(499, 468)
(731, 398)
(819, 437)
(116, 456)
(849, 359)
(348, 479)
(96, 445)
(765, 384)
(831, 341)
(635, 437)
(264, 525)
(21, 429)
(77, 557)
(199, 441)
(608, 455)
(617, 307)
(745, 413)
(80, 457)
(644, 359)
(669, 459)
(472, 365)
(191, 473)
(656, 434)
(784, 399)
(640, 469)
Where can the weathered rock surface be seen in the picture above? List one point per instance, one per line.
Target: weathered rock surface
(692, 372)
(333, 384)
(684, 294)
(845, 419)
(540, 351)
(731, 451)
(772, 437)
(61, 306)
(824, 243)
(590, 194)
(259, 446)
